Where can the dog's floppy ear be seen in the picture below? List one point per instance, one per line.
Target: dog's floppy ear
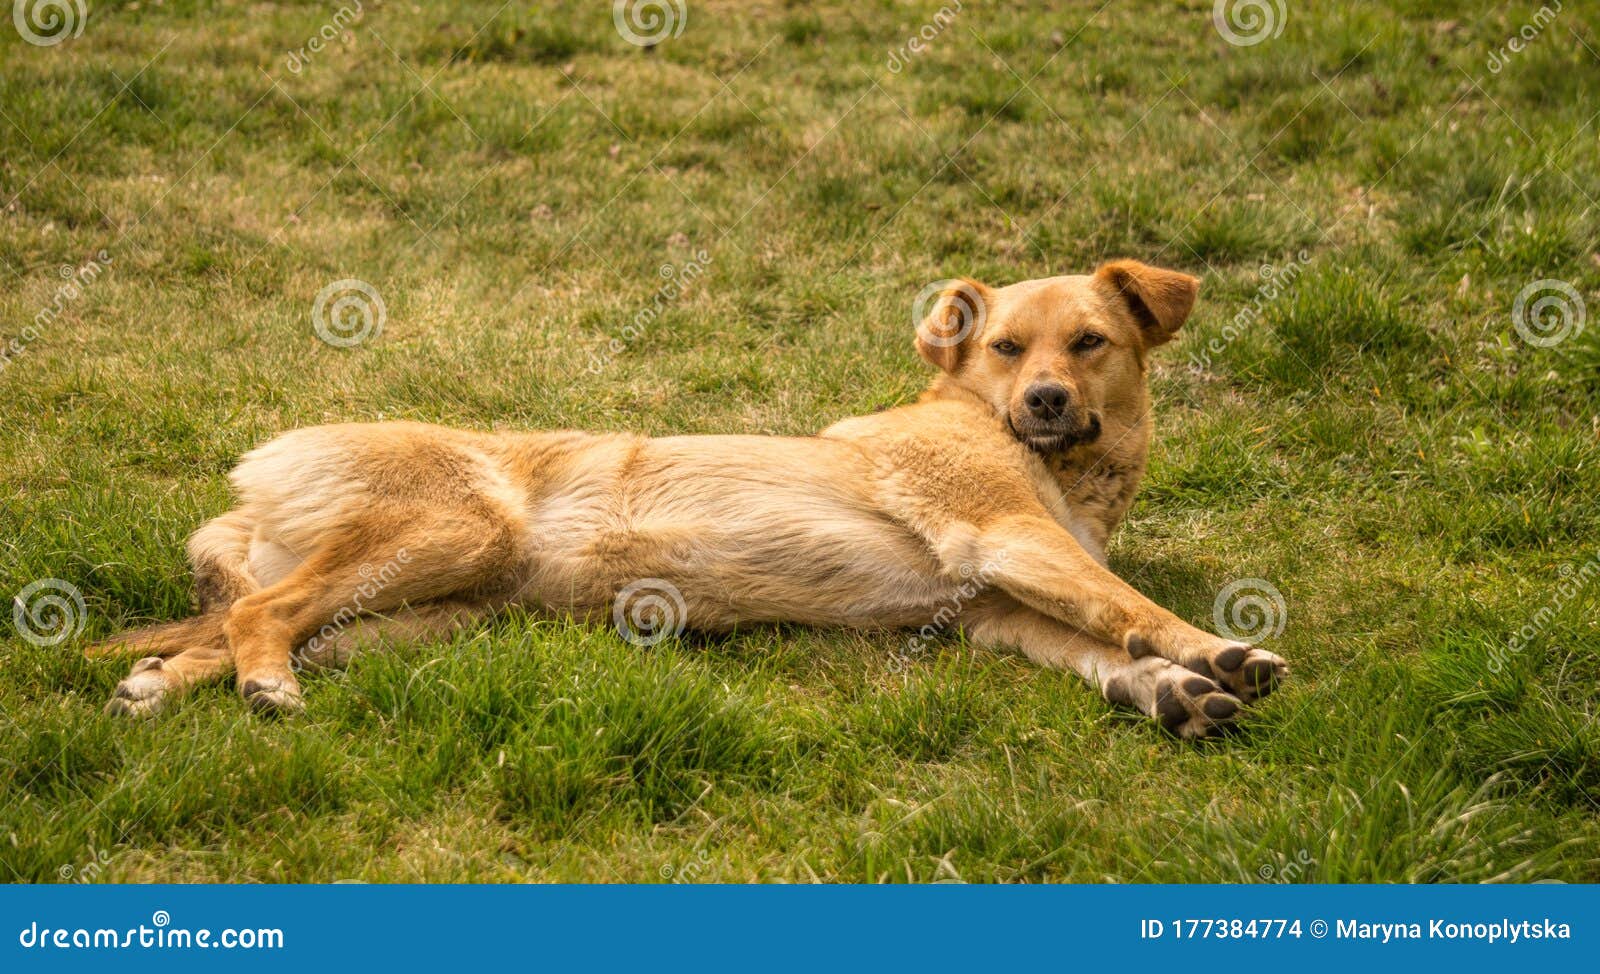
(956, 312)
(1159, 299)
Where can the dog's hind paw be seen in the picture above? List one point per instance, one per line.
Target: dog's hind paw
(143, 693)
(273, 695)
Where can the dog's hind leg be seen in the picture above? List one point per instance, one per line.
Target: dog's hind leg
(334, 646)
(202, 656)
(391, 557)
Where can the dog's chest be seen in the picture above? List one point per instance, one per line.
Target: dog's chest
(1095, 497)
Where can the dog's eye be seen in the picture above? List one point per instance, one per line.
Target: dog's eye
(1006, 346)
(1089, 341)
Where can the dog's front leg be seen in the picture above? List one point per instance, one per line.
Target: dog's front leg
(1037, 562)
(1181, 700)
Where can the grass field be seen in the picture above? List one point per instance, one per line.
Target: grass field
(1377, 413)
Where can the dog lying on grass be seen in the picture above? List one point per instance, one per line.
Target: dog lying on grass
(1022, 457)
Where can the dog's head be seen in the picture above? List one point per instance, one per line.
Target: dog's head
(1060, 357)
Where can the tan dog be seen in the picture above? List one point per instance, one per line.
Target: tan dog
(1015, 465)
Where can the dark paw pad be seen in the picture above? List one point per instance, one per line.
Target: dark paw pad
(1117, 690)
(1229, 659)
(1193, 706)
(1170, 710)
(1260, 674)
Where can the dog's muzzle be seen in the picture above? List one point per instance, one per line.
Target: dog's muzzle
(1055, 435)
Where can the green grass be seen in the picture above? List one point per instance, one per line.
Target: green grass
(1376, 441)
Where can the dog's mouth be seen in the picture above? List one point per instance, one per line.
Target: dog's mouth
(1057, 436)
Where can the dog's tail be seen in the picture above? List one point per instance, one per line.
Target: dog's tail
(220, 554)
(164, 638)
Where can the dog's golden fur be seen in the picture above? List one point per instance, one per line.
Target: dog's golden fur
(1018, 462)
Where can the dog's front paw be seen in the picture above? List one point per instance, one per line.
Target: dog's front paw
(1181, 701)
(272, 694)
(1249, 673)
(1190, 705)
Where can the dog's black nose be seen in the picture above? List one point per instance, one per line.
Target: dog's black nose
(1046, 400)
